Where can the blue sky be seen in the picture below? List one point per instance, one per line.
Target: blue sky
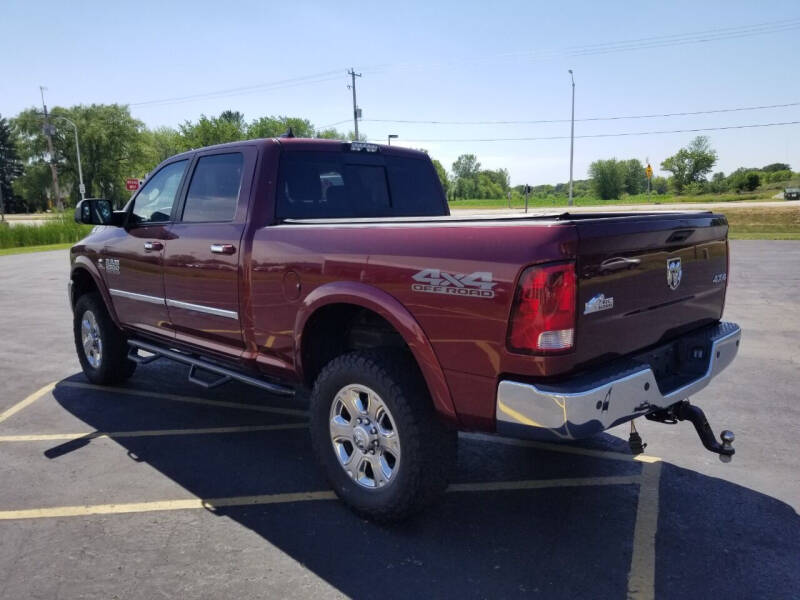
(467, 61)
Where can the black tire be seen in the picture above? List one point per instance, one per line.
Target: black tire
(428, 447)
(113, 365)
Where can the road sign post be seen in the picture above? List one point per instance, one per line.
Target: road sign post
(649, 172)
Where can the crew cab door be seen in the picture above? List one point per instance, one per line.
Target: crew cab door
(133, 258)
(202, 262)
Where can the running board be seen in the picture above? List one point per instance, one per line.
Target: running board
(225, 375)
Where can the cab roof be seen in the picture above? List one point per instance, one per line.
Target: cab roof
(309, 144)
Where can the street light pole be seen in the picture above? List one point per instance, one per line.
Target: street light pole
(81, 187)
(390, 137)
(571, 137)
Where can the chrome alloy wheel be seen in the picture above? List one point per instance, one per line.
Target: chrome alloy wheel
(364, 436)
(90, 336)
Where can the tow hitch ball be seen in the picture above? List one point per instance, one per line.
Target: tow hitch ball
(684, 411)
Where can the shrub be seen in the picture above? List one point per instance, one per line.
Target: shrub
(61, 230)
(608, 178)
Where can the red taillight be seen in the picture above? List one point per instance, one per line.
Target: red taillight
(543, 315)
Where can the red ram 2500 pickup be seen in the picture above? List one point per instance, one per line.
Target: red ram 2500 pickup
(335, 266)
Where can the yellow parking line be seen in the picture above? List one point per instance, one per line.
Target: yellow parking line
(564, 448)
(537, 484)
(641, 577)
(195, 503)
(27, 401)
(190, 399)
(163, 505)
(92, 435)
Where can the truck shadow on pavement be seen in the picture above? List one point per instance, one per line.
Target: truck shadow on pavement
(714, 538)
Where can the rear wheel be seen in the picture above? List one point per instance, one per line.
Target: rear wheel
(102, 348)
(377, 436)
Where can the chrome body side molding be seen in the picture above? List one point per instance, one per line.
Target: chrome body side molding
(604, 398)
(134, 296)
(209, 310)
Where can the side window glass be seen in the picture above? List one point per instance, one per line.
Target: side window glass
(214, 190)
(154, 202)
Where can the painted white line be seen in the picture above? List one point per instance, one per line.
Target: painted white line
(196, 503)
(93, 435)
(642, 574)
(563, 448)
(27, 401)
(190, 399)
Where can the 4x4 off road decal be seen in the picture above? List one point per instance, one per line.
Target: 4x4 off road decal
(434, 281)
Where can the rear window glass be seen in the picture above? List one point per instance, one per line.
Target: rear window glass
(214, 190)
(352, 185)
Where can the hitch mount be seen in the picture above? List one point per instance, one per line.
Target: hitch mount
(685, 411)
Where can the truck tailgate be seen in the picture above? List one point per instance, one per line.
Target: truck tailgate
(654, 277)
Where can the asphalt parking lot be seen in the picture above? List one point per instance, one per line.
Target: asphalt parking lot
(164, 490)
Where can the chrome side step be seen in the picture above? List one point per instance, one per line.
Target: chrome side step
(195, 364)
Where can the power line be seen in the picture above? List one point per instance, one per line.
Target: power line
(619, 46)
(238, 91)
(605, 135)
(535, 55)
(614, 118)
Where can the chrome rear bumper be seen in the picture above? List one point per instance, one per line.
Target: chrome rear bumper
(592, 403)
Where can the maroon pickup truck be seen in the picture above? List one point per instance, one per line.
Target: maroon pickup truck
(335, 266)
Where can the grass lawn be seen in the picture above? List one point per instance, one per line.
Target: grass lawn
(769, 223)
(26, 249)
(550, 201)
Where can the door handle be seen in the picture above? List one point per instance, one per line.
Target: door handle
(148, 246)
(223, 248)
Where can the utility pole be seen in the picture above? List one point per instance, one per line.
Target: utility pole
(53, 170)
(571, 137)
(356, 110)
(81, 187)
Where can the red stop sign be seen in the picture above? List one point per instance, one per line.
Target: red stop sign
(131, 184)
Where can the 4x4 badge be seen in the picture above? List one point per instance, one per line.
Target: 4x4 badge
(674, 273)
(598, 303)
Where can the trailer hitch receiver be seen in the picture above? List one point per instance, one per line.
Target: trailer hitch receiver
(685, 411)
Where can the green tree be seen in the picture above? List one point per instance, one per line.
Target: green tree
(159, 144)
(691, 164)
(499, 177)
(466, 167)
(718, 183)
(208, 131)
(659, 185)
(10, 169)
(752, 181)
(112, 148)
(775, 176)
(776, 167)
(330, 134)
(608, 178)
(269, 127)
(635, 176)
(743, 179)
(441, 172)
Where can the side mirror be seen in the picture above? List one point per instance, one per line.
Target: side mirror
(94, 211)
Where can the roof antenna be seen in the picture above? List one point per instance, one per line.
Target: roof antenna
(288, 133)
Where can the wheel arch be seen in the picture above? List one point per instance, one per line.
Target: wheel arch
(85, 278)
(337, 298)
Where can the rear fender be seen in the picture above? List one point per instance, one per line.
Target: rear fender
(388, 307)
